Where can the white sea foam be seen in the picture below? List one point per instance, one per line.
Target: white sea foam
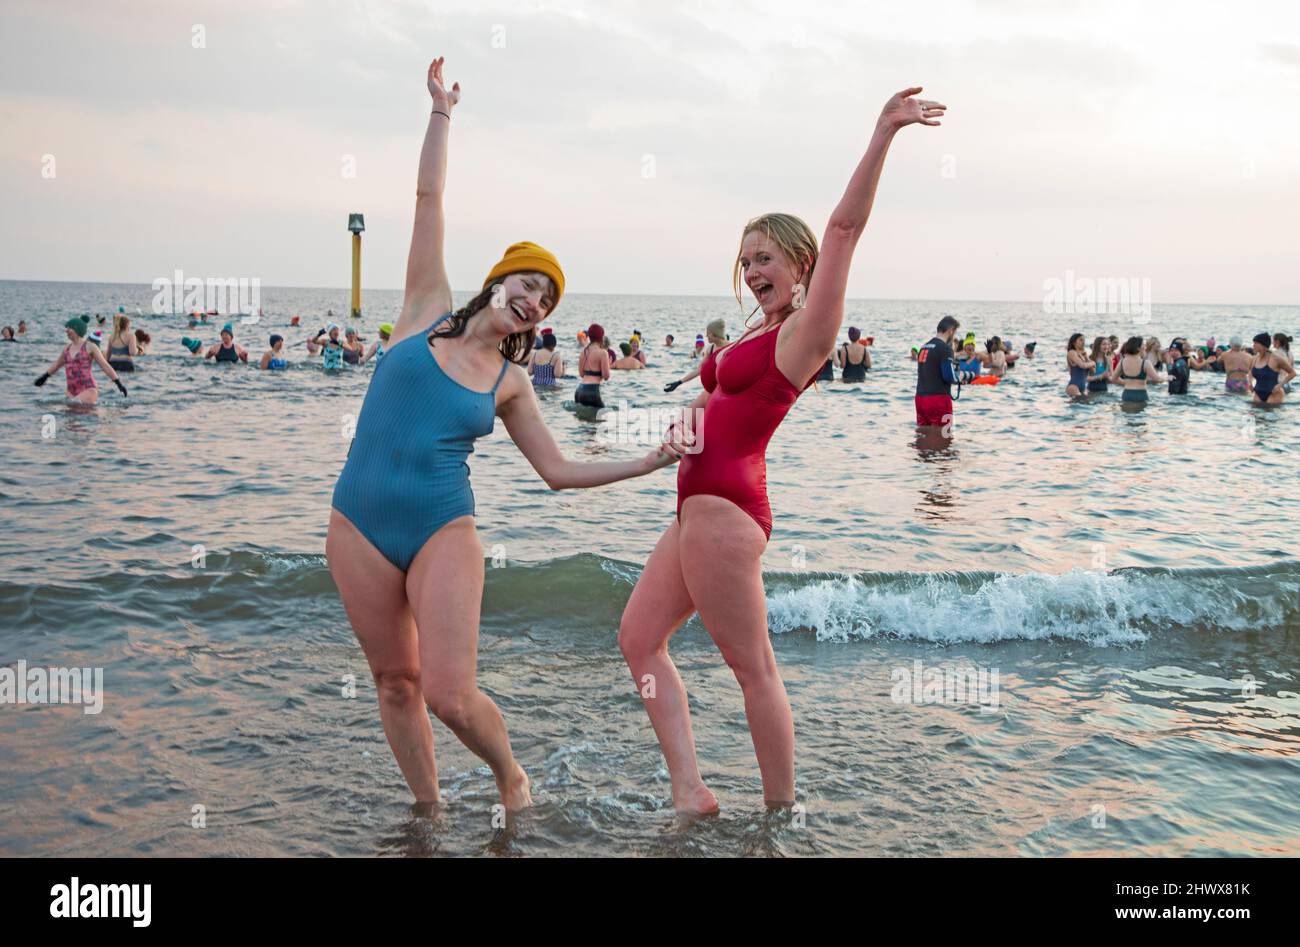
(1099, 608)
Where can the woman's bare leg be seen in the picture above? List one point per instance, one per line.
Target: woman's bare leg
(721, 551)
(445, 588)
(659, 605)
(374, 595)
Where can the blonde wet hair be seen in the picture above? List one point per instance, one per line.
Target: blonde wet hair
(791, 236)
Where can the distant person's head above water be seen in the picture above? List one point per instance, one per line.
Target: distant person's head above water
(777, 256)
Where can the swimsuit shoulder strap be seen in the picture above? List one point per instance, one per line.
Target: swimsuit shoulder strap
(505, 363)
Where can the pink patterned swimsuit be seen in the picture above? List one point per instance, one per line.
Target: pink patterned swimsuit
(77, 370)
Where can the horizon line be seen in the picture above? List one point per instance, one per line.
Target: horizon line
(346, 289)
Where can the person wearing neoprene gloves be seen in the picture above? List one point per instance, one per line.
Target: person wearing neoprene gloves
(936, 373)
(76, 361)
(717, 335)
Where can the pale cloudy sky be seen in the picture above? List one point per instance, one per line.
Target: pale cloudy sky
(1156, 140)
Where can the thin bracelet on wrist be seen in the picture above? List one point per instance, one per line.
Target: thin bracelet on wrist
(441, 112)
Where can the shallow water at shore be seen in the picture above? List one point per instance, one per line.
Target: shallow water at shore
(1132, 578)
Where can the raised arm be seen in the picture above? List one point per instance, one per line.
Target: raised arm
(812, 336)
(428, 292)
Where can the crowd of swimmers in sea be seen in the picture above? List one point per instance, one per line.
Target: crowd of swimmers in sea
(1264, 371)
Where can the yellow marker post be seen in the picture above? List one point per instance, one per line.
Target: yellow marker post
(356, 224)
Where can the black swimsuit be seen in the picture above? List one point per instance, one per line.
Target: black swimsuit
(851, 371)
(588, 393)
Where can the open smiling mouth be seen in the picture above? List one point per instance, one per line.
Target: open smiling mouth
(519, 315)
(762, 292)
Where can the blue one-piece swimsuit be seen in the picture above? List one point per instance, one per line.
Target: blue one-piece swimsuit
(406, 474)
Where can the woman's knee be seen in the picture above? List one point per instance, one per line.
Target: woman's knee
(398, 686)
(752, 668)
(453, 707)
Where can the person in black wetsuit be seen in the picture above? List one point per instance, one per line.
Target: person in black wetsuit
(936, 373)
(1179, 372)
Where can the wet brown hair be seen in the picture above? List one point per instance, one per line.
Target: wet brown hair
(515, 347)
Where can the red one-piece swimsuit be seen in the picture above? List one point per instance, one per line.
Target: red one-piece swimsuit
(748, 398)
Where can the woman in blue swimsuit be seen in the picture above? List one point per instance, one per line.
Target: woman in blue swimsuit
(1079, 365)
(402, 544)
(273, 359)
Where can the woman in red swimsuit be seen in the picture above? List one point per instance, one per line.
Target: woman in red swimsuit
(710, 559)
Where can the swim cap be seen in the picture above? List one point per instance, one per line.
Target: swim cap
(1264, 339)
(76, 325)
(276, 338)
(293, 320)
(228, 328)
(331, 327)
(121, 309)
(595, 332)
(529, 257)
(547, 330)
(386, 328)
(192, 344)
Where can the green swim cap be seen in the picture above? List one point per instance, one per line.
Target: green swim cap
(76, 325)
(192, 344)
(228, 328)
(386, 328)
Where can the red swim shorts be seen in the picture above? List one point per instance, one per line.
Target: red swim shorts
(933, 410)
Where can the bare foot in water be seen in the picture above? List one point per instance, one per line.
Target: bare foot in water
(696, 802)
(514, 792)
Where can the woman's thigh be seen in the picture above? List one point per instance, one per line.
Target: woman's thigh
(374, 596)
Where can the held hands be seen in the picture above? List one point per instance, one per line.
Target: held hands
(902, 109)
(442, 99)
(678, 440)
